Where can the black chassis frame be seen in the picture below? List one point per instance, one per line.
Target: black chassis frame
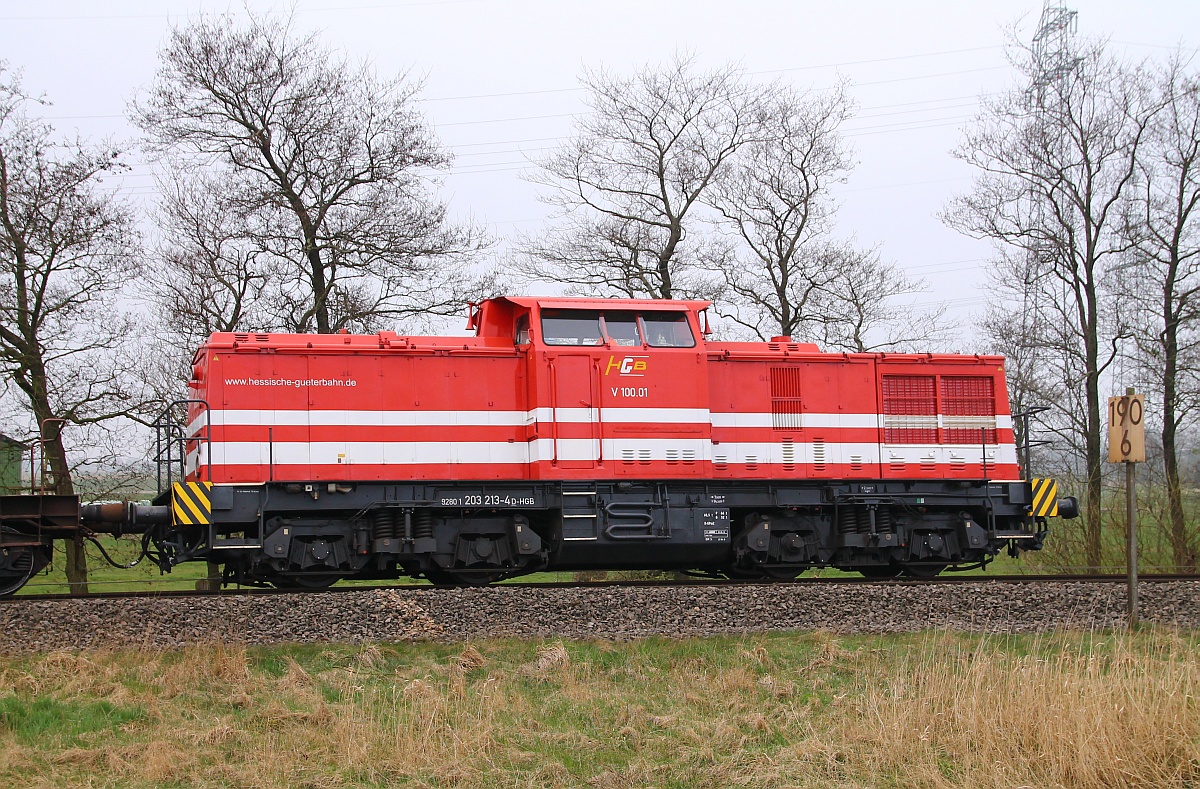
(482, 531)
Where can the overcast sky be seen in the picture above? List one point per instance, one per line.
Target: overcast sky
(501, 85)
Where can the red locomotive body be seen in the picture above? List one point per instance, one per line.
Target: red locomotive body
(568, 434)
(587, 433)
(574, 389)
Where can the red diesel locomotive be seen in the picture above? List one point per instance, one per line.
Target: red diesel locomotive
(572, 434)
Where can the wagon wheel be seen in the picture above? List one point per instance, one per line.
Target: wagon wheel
(17, 566)
(923, 570)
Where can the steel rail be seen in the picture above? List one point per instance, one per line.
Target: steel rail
(955, 580)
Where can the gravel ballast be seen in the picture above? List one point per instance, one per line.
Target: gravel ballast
(582, 612)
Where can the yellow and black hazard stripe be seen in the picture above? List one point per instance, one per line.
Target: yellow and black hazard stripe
(1045, 497)
(191, 503)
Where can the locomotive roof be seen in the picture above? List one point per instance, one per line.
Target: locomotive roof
(496, 335)
(576, 302)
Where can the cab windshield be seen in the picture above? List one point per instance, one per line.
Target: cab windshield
(621, 327)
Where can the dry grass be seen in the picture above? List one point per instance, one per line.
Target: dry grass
(1071, 710)
(1103, 711)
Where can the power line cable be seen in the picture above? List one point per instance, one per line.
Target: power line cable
(928, 76)
(193, 14)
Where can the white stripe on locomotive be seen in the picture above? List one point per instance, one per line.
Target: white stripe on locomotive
(286, 453)
(701, 416)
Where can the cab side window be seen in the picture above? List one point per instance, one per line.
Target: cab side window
(571, 327)
(521, 336)
(668, 330)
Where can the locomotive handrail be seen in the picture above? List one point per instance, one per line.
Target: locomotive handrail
(989, 507)
(169, 433)
(553, 412)
(1023, 459)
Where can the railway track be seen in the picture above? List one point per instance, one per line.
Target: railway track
(603, 609)
(618, 584)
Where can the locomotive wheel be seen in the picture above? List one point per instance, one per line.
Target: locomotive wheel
(315, 582)
(783, 573)
(881, 571)
(17, 566)
(923, 570)
(738, 573)
(441, 577)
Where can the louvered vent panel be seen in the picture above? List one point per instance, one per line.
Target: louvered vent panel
(910, 409)
(785, 398)
(789, 455)
(968, 409)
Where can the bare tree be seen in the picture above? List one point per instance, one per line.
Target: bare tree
(66, 248)
(208, 277)
(320, 171)
(1050, 184)
(864, 309)
(782, 272)
(774, 197)
(628, 184)
(1030, 321)
(1017, 334)
(1162, 224)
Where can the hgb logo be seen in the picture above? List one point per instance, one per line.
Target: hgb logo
(629, 366)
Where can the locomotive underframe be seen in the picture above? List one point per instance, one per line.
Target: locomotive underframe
(311, 534)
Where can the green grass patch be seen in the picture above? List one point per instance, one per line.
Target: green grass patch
(41, 720)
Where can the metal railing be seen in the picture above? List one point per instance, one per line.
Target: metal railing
(173, 444)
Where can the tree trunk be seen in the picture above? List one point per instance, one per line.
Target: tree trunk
(1094, 513)
(1094, 510)
(666, 289)
(1184, 559)
(1181, 553)
(212, 582)
(60, 473)
(319, 287)
(54, 456)
(77, 570)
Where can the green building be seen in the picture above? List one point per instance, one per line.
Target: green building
(12, 459)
